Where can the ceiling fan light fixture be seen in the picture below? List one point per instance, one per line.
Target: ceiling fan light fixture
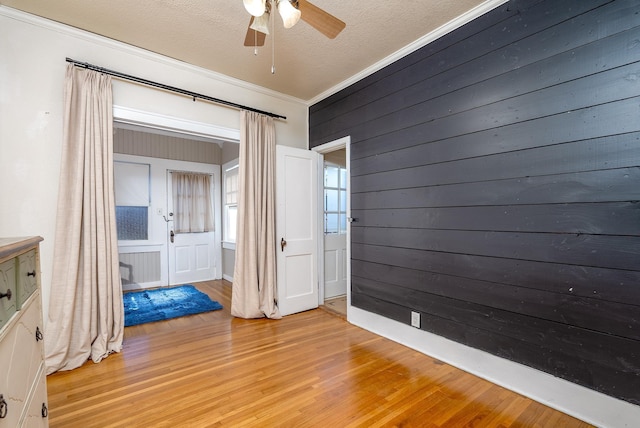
(261, 23)
(255, 7)
(290, 15)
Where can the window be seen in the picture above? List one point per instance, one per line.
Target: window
(192, 206)
(131, 182)
(335, 199)
(230, 201)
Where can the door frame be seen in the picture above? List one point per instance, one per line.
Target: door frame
(341, 143)
(216, 243)
(128, 118)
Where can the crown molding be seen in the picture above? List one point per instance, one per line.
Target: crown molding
(152, 56)
(454, 24)
(139, 52)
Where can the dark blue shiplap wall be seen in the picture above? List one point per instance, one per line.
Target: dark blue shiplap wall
(496, 181)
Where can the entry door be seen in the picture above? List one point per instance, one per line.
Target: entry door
(296, 229)
(191, 255)
(335, 265)
(335, 230)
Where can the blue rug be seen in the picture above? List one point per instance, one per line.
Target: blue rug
(163, 303)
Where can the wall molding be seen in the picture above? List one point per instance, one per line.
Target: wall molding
(143, 53)
(133, 50)
(583, 403)
(455, 23)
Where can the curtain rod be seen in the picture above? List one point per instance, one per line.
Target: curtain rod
(194, 95)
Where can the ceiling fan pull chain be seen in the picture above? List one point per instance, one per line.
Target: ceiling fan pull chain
(255, 43)
(273, 45)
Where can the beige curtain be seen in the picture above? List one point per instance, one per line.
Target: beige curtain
(86, 317)
(192, 205)
(254, 277)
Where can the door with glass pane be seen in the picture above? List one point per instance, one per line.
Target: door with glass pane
(191, 235)
(335, 230)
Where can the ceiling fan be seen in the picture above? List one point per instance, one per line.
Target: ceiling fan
(291, 12)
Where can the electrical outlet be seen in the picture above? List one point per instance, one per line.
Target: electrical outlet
(415, 319)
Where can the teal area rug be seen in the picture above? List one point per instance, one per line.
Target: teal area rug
(164, 303)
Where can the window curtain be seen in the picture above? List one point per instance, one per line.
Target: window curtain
(86, 316)
(254, 278)
(192, 205)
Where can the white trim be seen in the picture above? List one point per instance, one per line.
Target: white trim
(227, 277)
(163, 122)
(320, 227)
(129, 49)
(341, 143)
(143, 53)
(232, 165)
(142, 286)
(588, 405)
(450, 26)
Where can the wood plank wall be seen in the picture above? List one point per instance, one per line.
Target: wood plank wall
(496, 181)
(140, 267)
(154, 145)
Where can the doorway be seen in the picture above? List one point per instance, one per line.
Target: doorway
(334, 269)
(151, 257)
(144, 262)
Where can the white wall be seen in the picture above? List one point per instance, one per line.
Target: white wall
(32, 70)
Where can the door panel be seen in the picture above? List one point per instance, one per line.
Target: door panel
(335, 265)
(203, 257)
(191, 258)
(296, 229)
(182, 258)
(299, 274)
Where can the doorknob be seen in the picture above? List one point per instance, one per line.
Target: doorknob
(171, 235)
(283, 244)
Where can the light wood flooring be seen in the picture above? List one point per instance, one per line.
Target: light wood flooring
(336, 306)
(311, 369)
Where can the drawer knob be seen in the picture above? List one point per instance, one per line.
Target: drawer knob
(32, 273)
(38, 334)
(7, 294)
(3, 407)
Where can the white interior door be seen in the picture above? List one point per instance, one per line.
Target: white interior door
(192, 256)
(296, 229)
(335, 265)
(334, 176)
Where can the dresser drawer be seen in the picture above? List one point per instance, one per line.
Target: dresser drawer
(20, 358)
(8, 305)
(26, 279)
(37, 412)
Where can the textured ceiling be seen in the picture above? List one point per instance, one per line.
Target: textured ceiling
(210, 34)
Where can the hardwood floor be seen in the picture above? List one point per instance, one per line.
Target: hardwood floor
(336, 306)
(311, 369)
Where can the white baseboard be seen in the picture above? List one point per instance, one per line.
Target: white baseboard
(583, 403)
(227, 277)
(141, 286)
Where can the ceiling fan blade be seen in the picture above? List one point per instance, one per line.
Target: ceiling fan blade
(253, 37)
(322, 21)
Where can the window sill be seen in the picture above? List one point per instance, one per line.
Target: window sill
(229, 245)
